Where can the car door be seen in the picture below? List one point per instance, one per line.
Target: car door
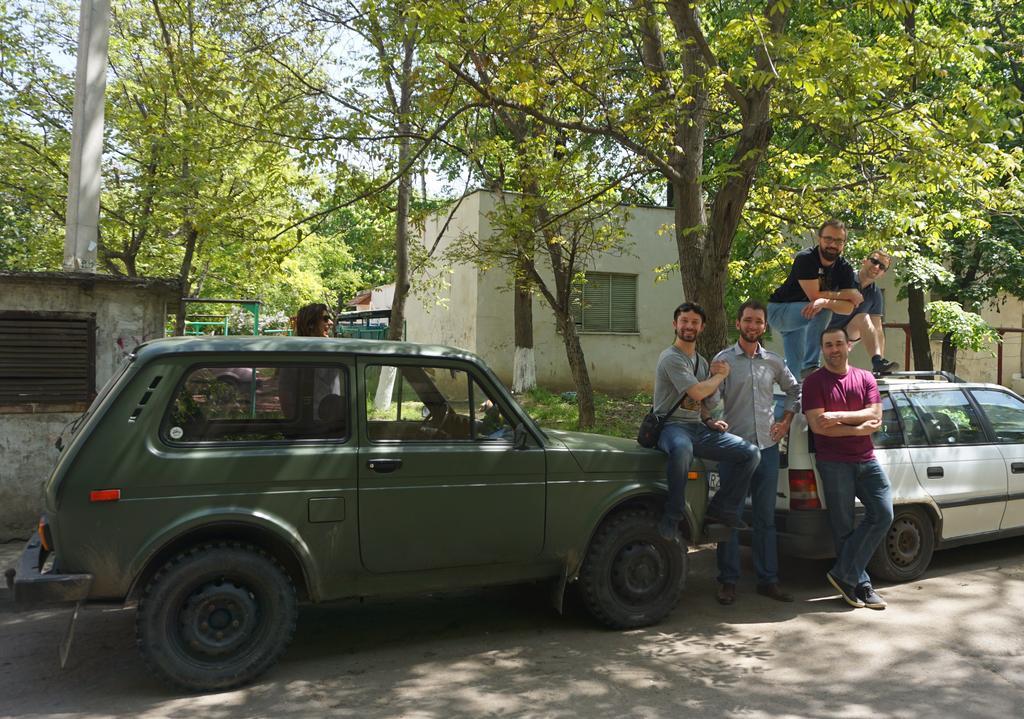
(1004, 413)
(955, 463)
(441, 483)
(891, 452)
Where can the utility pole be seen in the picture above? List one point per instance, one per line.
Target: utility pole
(83, 211)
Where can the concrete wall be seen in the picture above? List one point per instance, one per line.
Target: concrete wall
(128, 312)
(617, 363)
(473, 308)
(442, 308)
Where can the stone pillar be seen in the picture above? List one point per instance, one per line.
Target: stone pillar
(83, 211)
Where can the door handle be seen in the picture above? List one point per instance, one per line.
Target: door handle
(1017, 467)
(935, 471)
(384, 466)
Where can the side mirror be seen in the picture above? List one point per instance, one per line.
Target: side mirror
(519, 437)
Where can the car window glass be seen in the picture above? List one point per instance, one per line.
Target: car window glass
(490, 424)
(265, 403)
(947, 417)
(420, 403)
(1005, 412)
(913, 430)
(890, 434)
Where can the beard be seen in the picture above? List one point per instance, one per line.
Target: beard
(687, 335)
(829, 253)
(751, 336)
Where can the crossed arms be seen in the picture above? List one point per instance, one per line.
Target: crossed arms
(846, 424)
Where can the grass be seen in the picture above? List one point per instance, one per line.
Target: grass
(616, 416)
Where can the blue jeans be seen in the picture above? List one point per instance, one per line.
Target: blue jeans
(801, 337)
(737, 460)
(842, 481)
(764, 485)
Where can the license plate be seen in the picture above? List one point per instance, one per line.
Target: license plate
(713, 481)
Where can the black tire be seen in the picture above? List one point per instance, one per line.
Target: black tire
(632, 577)
(215, 617)
(907, 549)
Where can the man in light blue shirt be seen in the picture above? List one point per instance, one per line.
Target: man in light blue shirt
(749, 409)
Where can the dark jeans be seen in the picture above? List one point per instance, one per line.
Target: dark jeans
(737, 460)
(854, 546)
(764, 485)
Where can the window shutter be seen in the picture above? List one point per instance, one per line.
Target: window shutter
(623, 304)
(47, 357)
(596, 302)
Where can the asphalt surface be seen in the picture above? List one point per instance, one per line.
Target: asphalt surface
(951, 644)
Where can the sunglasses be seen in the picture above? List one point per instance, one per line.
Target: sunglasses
(878, 263)
(327, 318)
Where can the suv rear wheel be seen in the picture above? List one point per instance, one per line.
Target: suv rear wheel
(632, 577)
(216, 617)
(907, 549)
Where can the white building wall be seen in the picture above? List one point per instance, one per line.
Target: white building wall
(442, 306)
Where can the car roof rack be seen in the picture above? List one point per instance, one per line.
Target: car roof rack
(921, 374)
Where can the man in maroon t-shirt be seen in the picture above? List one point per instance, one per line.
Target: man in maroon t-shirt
(843, 410)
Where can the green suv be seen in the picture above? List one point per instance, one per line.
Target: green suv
(341, 468)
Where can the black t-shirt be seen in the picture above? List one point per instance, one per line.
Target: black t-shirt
(807, 266)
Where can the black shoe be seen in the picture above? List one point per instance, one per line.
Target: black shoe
(774, 591)
(730, 522)
(867, 594)
(807, 372)
(884, 366)
(726, 593)
(847, 591)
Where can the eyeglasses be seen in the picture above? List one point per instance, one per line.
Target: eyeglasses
(878, 263)
(327, 318)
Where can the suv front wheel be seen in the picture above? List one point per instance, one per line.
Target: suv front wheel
(907, 549)
(632, 577)
(216, 616)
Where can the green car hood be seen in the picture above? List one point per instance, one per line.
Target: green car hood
(601, 453)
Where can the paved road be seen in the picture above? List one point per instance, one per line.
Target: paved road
(951, 644)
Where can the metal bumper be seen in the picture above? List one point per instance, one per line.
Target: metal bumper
(30, 585)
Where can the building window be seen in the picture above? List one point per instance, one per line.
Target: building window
(47, 358)
(606, 303)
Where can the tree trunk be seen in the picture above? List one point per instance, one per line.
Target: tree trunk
(948, 354)
(190, 234)
(919, 339)
(524, 369)
(397, 321)
(578, 368)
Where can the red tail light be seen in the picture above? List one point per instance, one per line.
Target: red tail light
(105, 495)
(803, 490)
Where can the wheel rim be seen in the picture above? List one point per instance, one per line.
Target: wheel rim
(904, 541)
(219, 618)
(638, 572)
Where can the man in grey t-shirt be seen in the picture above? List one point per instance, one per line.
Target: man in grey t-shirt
(684, 380)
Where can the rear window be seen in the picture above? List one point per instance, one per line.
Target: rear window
(265, 403)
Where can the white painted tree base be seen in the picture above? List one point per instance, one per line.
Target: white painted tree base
(524, 370)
